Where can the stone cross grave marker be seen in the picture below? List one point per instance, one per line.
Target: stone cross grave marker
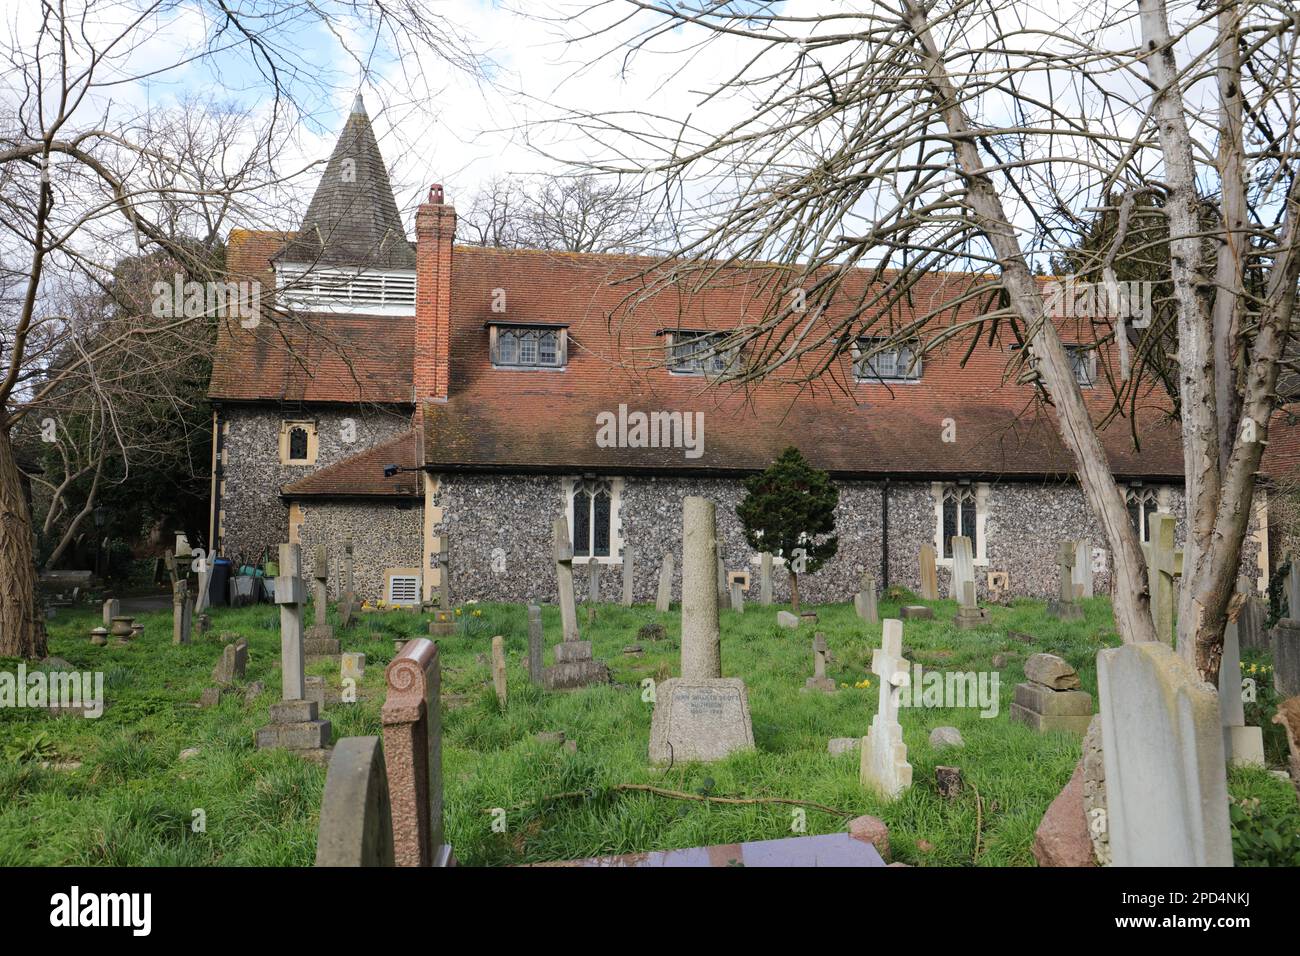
(864, 602)
(884, 767)
(629, 556)
(1082, 579)
(319, 641)
(819, 680)
(291, 595)
(700, 716)
(765, 578)
(963, 566)
(574, 665)
(564, 577)
(413, 755)
(1161, 568)
(664, 598)
(534, 643)
(1064, 607)
(1166, 779)
(1241, 744)
(929, 574)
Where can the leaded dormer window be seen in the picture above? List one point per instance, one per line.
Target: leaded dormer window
(528, 346)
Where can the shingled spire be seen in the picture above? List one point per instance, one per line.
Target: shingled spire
(352, 221)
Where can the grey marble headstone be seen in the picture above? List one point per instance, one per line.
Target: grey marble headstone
(629, 556)
(664, 597)
(765, 578)
(356, 822)
(699, 720)
(534, 643)
(1166, 780)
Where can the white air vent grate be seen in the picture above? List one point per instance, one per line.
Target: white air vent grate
(403, 589)
(348, 291)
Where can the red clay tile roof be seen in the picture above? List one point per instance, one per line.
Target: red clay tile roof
(362, 475)
(310, 357)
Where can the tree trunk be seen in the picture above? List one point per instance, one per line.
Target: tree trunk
(22, 632)
(794, 592)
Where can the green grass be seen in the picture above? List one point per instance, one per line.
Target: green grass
(133, 801)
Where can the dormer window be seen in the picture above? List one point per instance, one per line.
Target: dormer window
(874, 360)
(700, 353)
(518, 346)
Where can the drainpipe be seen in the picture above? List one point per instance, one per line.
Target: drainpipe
(884, 537)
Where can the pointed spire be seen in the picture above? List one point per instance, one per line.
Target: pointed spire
(353, 220)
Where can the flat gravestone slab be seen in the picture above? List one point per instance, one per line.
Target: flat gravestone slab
(827, 849)
(700, 720)
(918, 612)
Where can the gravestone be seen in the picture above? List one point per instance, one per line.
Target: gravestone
(352, 665)
(534, 644)
(737, 598)
(1242, 745)
(1065, 608)
(963, 567)
(929, 574)
(347, 607)
(1161, 567)
(786, 619)
(1250, 620)
(574, 666)
(593, 589)
(999, 583)
(884, 767)
(295, 723)
(864, 602)
(765, 578)
(628, 574)
(356, 820)
(723, 590)
(319, 642)
(700, 716)
(1286, 658)
(112, 609)
(182, 612)
(1166, 781)
(201, 597)
(1293, 588)
(819, 680)
(1082, 579)
(969, 613)
(564, 579)
(916, 612)
(413, 755)
(499, 669)
(444, 575)
(232, 664)
(664, 598)
(1050, 698)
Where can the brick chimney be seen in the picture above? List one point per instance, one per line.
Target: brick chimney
(435, 229)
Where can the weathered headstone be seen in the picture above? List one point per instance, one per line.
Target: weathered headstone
(233, 661)
(534, 644)
(356, 822)
(1286, 658)
(969, 613)
(112, 608)
(290, 596)
(1250, 621)
(182, 612)
(352, 665)
(295, 723)
(765, 578)
(929, 574)
(916, 612)
(1293, 588)
(1065, 608)
(723, 590)
(963, 567)
(1082, 579)
(700, 716)
(1050, 698)
(786, 619)
(864, 602)
(499, 669)
(998, 583)
(1161, 568)
(1241, 744)
(1166, 781)
(819, 680)
(593, 589)
(664, 598)
(884, 767)
(413, 755)
(319, 641)
(629, 577)
(737, 598)
(574, 666)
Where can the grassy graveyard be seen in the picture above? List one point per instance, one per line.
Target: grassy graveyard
(125, 790)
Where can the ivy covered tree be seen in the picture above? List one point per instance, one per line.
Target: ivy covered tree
(789, 510)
